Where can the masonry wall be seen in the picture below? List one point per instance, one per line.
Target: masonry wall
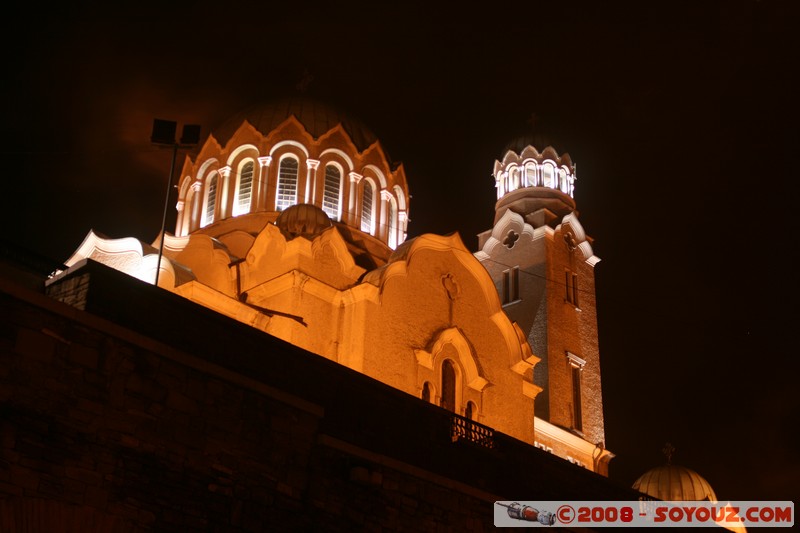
(116, 419)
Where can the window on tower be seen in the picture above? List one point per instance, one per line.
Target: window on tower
(571, 286)
(511, 285)
(531, 179)
(576, 365)
(548, 175)
(287, 183)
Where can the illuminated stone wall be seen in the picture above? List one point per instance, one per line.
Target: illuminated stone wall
(398, 323)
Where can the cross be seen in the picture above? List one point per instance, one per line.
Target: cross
(668, 450)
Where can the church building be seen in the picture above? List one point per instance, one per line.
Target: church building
(293, 220)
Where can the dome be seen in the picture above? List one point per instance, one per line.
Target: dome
(519, 143)
(316, 117)
(674, 483)
(303, 220)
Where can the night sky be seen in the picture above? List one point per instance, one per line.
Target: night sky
(677, 114)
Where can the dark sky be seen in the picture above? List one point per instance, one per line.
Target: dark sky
(677, 114)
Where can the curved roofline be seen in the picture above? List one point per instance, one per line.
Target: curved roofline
(318, 118)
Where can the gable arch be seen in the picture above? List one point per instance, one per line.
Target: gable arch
(337, 152)
(401, 197)
(467, 362)
(295, 144)
(371, 169)
(239, 151)
(209, 165)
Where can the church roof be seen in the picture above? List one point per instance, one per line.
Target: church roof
(539, 141)
(316, 117)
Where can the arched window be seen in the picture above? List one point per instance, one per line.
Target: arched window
(548, 176)
(287, 183)
(244, 189)
(448, 385)
(514, 179)
(330, 197)
(562, 180)
(471, 411)
(426, 391)
(211, 201)
(392, 224)
(530, 175)
(367, 197)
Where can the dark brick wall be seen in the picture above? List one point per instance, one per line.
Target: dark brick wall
(159, 415)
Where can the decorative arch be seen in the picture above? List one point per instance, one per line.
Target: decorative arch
(378, 174)
(570, 227)
(296, 144)
(401, 197)
(340, 153)
(239, 151)
(466, 360)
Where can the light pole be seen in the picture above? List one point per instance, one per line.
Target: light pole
(163, 135)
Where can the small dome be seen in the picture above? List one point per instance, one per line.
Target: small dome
(674, 483)
(303, 220)
(519, 143)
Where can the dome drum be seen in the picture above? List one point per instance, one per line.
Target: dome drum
(295, 152)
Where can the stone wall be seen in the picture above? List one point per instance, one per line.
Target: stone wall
(123, 417)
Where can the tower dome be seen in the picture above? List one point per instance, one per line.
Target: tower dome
(317, 117)
(539, 186)
(675, 483)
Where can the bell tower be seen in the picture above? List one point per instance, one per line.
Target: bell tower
(542, 264)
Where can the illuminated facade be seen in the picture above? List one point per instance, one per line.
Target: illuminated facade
(292, 219)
